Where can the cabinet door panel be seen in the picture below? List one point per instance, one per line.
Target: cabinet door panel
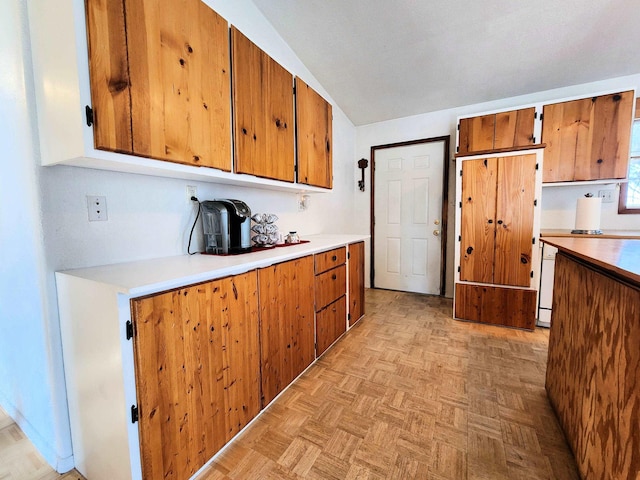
(331, 323)
(179, 67)
(565, 131)
(514, 128)
(356, 282)
(476, 133)
(478, 219)
(314, 137)
(109, 75)
(263, 112)
(514, 220)
(197, 369)
(286, 323)
(611, 127)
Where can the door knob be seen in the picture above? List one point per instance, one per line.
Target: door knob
(436, 222)
(436, 233)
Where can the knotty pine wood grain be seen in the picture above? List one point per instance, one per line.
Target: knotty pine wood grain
(262, 112)
(286, 323)
(329, 259)
(477, 248)
(611, 126)
(331, 322)
(514, 220)
(330, 285)
(476, 133)
(179, 64)
(587, 139)
(593, 378)
(197, 372)
(565, 131)
(514, 128)
(109, 75)
(356, 282)
(510, 307)
(314, 137)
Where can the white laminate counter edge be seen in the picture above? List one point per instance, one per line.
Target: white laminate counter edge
(145, 277)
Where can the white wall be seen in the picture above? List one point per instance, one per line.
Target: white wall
(31, 382)
(45, 227)
(558, 203)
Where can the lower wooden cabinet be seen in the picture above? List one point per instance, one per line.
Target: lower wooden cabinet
(330, 324)
(286, 323)
(356, 282)
(197, 372)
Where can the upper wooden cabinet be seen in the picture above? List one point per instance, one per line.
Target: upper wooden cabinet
(497, 220)
(496, 131)
(262, 111)
(587, 139)
(160, 84)
(197, 369)
(314, 137)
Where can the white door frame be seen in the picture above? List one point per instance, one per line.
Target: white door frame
(445, 202)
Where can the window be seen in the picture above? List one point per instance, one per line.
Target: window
(630, 192)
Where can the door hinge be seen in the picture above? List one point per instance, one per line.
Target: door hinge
(89, 113)
(535, 202)
(458, 127)
(460, 204)
(348, 316)
(534, 139)
(533, 240)
(537, 166)
(348, 255)
(134, 413)
(535, 115)
(460, 172)
(541, 116)
(459, 238)
(457, 149)
(129, 329)
(458, 268)
(294, 89)
(531, 273)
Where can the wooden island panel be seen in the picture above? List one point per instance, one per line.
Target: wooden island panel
(593, 370)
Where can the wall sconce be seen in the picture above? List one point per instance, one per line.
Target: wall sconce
(362, 164)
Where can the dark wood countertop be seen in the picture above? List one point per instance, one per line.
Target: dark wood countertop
(620, 257)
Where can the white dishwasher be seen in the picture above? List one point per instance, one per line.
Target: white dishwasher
(546, 285)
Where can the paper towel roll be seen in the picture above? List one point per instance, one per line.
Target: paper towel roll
(588, 213)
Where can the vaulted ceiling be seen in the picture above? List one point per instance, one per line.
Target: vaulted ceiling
(385, 59)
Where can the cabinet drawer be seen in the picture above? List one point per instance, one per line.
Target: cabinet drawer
(330, 324)
(330, 286)
(326, 260)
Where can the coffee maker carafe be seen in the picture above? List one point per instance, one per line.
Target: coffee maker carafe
(226, 225)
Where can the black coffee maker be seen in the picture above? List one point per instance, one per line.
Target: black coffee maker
(226, 225)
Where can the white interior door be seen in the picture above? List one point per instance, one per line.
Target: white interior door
(407, 210)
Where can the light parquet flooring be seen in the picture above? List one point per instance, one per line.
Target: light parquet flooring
(410, 393)
(19, 460)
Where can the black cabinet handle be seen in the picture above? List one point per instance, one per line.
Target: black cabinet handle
(334, 258)
(333, 277)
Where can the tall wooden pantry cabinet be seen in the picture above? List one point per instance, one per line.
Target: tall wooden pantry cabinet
(497, 225)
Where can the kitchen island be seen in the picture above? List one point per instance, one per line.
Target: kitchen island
(593, 369)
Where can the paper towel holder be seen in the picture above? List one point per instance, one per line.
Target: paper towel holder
(587, 232)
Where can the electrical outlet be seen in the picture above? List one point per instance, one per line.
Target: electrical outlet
(97, 206)
(608, 196)
(192, 191)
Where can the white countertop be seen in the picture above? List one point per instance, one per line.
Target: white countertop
(154, 275)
